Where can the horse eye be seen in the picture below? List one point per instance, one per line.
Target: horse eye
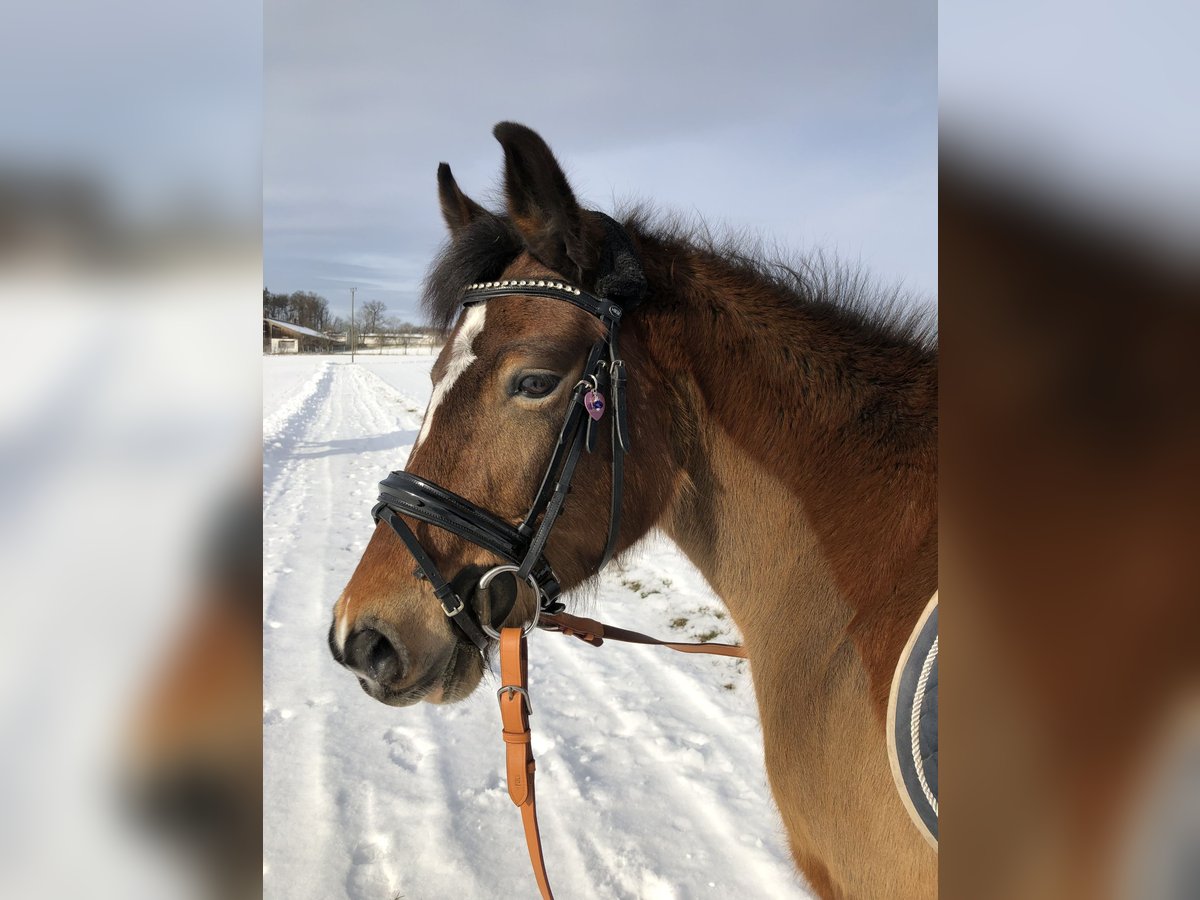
(538, 385)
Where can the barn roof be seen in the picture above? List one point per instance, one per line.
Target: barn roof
(297, 329)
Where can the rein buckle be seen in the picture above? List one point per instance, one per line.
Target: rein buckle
(511, 689)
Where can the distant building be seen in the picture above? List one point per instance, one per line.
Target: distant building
(284, 337)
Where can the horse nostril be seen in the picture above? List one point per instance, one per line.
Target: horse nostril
(375, 656)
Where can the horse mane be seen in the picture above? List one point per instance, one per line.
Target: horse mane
(824, 287)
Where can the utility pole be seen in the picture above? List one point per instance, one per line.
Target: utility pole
(352, 290)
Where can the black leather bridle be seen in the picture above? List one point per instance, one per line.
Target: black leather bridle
(523, 546)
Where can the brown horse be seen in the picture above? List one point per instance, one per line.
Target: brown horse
(784, 435)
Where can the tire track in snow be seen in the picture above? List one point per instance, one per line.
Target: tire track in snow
(281, 429)
(288, 655)
(302, 573)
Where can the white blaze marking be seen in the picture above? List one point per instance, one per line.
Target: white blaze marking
(461, 357)
(343, 626)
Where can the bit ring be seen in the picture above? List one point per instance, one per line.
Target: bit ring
(538, 596)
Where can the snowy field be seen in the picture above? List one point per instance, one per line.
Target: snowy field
(650, 774)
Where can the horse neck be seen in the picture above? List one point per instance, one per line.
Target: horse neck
(810, 457)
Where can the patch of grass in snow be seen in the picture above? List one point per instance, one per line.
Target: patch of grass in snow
(728, 685)
(707, 635)
(637, 588)
(679, 622)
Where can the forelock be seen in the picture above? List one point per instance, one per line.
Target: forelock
(480, 252)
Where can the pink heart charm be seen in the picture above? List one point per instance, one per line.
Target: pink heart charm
(593, 402)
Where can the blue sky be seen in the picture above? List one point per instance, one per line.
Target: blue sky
(813, 126)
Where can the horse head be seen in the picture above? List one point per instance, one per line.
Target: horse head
(511, 372)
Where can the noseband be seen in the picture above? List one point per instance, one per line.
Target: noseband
(522, 547)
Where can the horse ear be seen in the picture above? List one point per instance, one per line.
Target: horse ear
(541, 204)
(458, 209)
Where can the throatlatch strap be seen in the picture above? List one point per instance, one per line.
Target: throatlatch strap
(519, 765)
(620, 443)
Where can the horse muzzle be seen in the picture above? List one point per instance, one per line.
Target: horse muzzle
(400, 667)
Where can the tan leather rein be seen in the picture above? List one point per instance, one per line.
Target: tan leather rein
(515, 709)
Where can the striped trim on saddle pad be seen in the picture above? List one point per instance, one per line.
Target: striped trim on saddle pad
(912, 723)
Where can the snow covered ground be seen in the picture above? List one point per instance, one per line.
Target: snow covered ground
(650, 774)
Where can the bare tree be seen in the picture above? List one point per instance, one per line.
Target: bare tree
(372, 316)
(275, 306)
(307, 309)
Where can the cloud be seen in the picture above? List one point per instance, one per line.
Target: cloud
(812, 124)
